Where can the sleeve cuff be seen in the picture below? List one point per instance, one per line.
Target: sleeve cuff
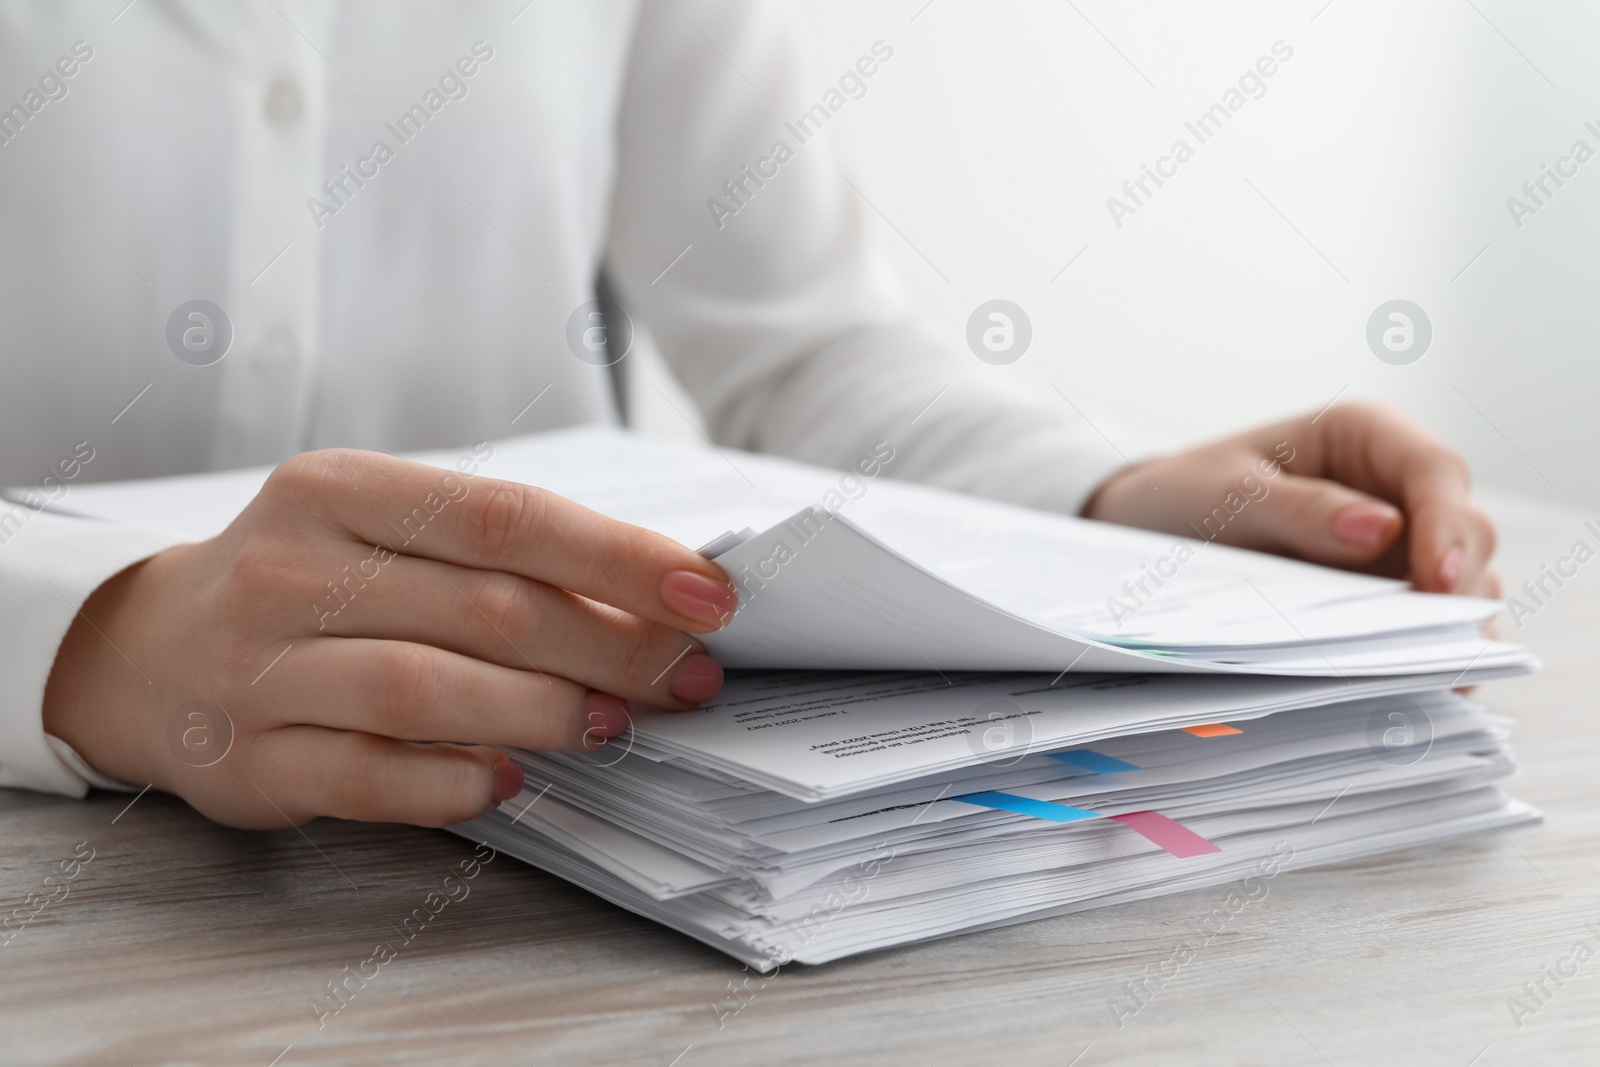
(49, 564)
(79, 766)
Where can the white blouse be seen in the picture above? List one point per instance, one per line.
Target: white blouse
(229, 233)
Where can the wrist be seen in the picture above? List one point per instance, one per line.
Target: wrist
(97, 682)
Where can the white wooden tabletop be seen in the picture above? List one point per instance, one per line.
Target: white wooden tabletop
(183, 942)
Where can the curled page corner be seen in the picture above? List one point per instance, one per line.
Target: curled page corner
(725, 543)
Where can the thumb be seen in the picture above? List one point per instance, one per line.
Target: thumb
(1317, 520)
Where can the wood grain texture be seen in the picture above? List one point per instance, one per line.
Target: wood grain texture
(184, 942)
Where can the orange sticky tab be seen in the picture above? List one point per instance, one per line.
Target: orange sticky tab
(1212, 729)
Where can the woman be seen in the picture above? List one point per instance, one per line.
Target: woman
(391, 227)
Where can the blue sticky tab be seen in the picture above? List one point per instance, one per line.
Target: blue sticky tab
(1094, 762)
(1039, 809)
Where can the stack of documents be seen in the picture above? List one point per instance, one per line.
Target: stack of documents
(858, 848)
(952, 714)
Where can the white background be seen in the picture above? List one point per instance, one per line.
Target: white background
(1377, 166)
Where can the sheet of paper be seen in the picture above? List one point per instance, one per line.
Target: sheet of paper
(830, 734)
(829, 594)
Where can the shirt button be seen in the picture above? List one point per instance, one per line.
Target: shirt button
(283, 103)
(274, 353)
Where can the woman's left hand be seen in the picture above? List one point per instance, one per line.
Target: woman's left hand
(1359, 486)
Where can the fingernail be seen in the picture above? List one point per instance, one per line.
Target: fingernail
(703, 599)
(507, 780)
(604, 716)
(1365, 524)
(1450, 569)
(699, 678)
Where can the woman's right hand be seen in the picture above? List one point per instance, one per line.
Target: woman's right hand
(363, 606)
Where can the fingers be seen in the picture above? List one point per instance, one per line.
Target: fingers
(507, 620)
(1485, 585)
(308, 771)
(418, 693)
(497, 525)
(1449, 541)
(1377, 450)
(1317, 520)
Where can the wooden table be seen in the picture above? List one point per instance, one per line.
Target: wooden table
(183, 942)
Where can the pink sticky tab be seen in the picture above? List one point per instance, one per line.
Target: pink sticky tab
(1164, 833)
